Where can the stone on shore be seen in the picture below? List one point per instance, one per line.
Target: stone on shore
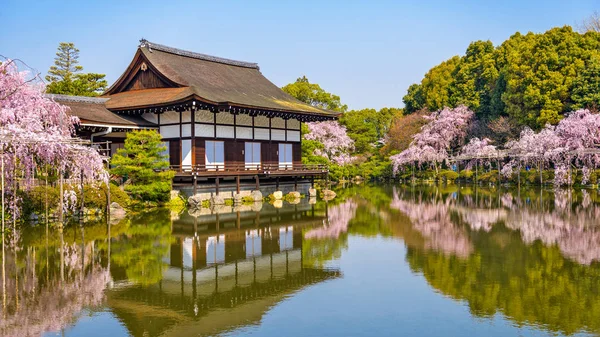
(256, 195)
(117, 211)
(195, 201)
(312, 192)
(217, 200)
(328, 195)
(278, 195)
(294, 195)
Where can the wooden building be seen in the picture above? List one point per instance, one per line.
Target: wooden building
(218, 117)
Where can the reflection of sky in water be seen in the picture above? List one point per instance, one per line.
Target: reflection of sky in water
(253, 243)
(215, 249)
(286, 238)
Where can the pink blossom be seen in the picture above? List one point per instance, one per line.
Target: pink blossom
(445, 129)
(336, 142)
(36, 131)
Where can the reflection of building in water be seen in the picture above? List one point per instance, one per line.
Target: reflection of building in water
(223, 274)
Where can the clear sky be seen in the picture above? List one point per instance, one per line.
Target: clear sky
(367, 52)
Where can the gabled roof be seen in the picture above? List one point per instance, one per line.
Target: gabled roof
(209, 79)
(92, 111)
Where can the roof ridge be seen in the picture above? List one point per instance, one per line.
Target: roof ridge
(151, 45)
(77, 99)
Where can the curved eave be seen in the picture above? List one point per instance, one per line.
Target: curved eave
(202, 103)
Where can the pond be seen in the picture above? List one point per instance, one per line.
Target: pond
(377, 260)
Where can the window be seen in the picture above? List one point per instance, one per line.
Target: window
(215, 155)
(285, 156)
(186, 152)
(165, 152)
(252, 155)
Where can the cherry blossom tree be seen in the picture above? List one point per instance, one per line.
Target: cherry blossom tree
(36, 131)
(480, 150)
(573, 143)
(446, 128)
(337, 145)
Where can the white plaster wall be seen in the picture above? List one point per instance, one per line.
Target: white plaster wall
(243, 119)
(186, 130)
(204, 130)
(293, 136)
(262, 134)
(186, 116)
(261, 121)
(277, 134)
(150, 117)
(243, 132)
(169, 117)
(224, 131)
(224, 118)
(293, 124)
(204, 116)
(277, 122)
(170, 131)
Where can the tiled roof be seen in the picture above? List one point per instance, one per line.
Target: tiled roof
(92, 110)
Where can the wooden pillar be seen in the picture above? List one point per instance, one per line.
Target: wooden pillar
(277, 183)
(195, 183)
(296, 184)
(257, 182)
(217, 185)
(312, 182)
(193, 131)
(237, 184)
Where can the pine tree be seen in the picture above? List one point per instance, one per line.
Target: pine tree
(65, 75)
(143, 164)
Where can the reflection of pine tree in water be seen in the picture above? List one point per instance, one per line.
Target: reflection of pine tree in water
(38, 302)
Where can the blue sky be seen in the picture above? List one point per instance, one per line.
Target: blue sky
(367, 52)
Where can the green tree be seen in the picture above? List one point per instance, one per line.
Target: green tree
(367, 126)
(65, 75)
(475, 78)
(313, 94)
(534, 78)
(142, 162)
(586, 88)
(437, 83)
(413, 100)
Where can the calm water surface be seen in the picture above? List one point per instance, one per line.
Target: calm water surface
(379, 260)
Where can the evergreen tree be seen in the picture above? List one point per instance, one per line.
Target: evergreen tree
(65, 75)
(313, 94)
(143, 163)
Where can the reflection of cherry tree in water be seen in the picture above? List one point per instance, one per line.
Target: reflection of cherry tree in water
(339, 217)
(40, 303)
(574, 230)
(325, 243)
(433, 221)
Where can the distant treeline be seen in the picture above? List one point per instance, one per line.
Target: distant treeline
(529, 80)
